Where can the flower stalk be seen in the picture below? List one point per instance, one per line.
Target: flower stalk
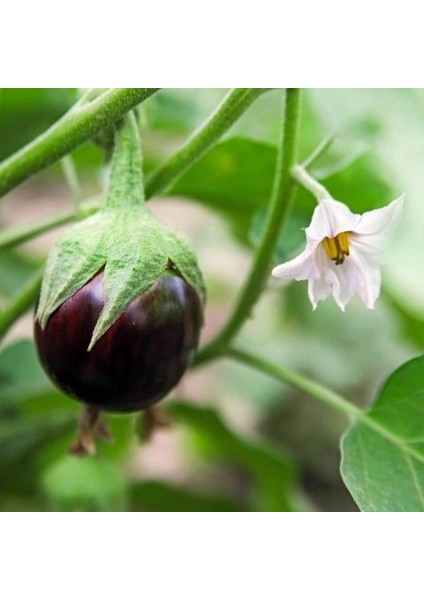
(301, 175)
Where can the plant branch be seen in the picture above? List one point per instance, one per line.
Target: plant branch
(79, 124)
(21, 302)
(298, 381)
(279, 208)
(232, 107)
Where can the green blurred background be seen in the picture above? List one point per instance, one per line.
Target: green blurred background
(238, 441)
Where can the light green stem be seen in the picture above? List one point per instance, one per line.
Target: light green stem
(232, 107)
(298, 381)
(323, 394)
(301, 175)
(20, 303)
(74, 128)
(279, 208)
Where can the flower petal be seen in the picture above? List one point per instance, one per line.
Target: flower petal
(329, 219)
(367, 275)
(381, 220)
(300, 268)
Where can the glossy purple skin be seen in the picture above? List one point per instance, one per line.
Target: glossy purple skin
(138, 360)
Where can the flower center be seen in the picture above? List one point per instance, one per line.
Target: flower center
(337, 247)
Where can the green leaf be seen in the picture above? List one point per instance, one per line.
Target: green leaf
(88, 484)
(272, 472)
(165, 497)
(383, 452)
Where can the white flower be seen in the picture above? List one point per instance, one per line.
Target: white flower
(342, 253)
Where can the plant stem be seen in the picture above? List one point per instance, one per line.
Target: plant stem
(16, 236)
(308, 182)
(75, 127)
(279, 207)
(298, 381)
(325, 395)
(232, 107)
(126, 171)
(21, 302)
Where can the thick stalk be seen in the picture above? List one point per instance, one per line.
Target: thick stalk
(279, 208)
(75, 127)
(126, 172)
(232, 107)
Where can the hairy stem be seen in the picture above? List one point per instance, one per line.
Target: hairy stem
(20, 303)
(232, 107)
(298, 381)
(126, 170)
(279, 207)
(75, 127)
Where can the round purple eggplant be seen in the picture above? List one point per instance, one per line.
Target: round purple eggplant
(139, 359)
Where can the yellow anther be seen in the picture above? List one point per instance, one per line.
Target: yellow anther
(338, 247)
(331, 248)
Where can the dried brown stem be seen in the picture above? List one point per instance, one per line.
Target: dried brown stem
(90, 428)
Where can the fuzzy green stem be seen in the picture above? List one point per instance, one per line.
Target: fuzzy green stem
(296, 380)
(301, 175)
(126, 172)
(19, 235)
(74, 128)
(232, 107)
(20, 303)
(279, 208)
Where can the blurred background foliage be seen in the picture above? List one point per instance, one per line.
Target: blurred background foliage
(238, 441)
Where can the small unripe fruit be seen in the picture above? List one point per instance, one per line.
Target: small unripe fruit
(139, 359)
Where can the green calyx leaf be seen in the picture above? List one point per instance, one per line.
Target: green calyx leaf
(124, 240)
(133, 249)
